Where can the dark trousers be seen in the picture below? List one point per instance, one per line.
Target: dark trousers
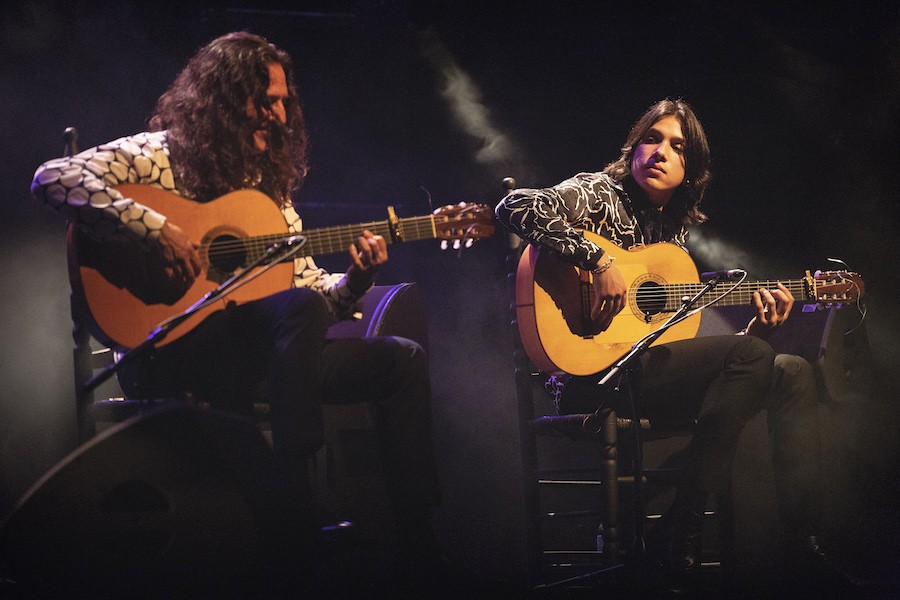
(793, 420)
(276, 349)
(714, 386)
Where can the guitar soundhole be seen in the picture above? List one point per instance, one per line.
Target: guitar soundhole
(227, 254)
(651, 299)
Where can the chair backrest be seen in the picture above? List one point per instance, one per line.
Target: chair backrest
(82, 352)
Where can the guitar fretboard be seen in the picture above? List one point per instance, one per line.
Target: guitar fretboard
(672, 294)
(326, 240)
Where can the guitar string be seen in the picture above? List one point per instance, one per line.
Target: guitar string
(742, 294)
(332, 239)
(680, 289)
(670, 295)
(329, 239)
(413, 228)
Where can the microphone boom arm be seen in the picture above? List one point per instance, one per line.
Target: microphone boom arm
(687, 304)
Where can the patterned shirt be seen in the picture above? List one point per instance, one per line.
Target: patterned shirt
(82, 189)
(554, 218)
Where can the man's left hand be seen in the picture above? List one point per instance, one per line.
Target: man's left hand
(366, 255)
(772, 310)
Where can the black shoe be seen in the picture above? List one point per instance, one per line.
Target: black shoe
(676, 542)
(809, 570)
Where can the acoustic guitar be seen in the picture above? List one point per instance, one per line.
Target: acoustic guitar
(114, 294)
(553, 303)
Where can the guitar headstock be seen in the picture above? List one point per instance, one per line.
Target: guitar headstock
(463, 223)
(835, 287)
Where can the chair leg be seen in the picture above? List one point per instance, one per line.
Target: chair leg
(528, 446)
(81, 358)
(610, 478)
(725, 520)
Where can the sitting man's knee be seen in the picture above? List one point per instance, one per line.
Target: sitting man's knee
(409, 352)
(753, 356)
(793, 365)
(794, 375)
(305, 306)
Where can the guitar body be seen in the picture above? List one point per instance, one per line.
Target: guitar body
(111, 285)
(553, 300)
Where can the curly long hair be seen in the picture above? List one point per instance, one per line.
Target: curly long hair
(685, 203)
(210, 136)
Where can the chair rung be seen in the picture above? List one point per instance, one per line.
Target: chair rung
(663, 477)
(571, 514)
(119, 409)
(102, 358)
(650, 477)
(569, 482)
(549, 473)
(578, 424)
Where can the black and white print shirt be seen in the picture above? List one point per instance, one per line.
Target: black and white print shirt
(555, 217)
(83, 189)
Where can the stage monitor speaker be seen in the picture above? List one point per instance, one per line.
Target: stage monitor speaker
(174, 500)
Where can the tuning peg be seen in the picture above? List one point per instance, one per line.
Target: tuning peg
(469, 243)
(443, 244)
(456, 244)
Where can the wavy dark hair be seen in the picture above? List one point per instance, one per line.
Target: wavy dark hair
(211, 138)
(685, 203)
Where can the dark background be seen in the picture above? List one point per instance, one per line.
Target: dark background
(442, 100)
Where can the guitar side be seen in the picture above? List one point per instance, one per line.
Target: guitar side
(549, 307)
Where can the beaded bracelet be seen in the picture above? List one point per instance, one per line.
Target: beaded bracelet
(603, 268)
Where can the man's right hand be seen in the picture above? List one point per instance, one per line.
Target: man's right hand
(179, 261)
(609, 297)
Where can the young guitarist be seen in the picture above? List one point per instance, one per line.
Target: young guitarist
(652, 193)
(232, 121)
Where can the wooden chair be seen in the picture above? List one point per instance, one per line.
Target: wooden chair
(585, 483)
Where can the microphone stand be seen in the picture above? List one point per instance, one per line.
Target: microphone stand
(620, 372)
(273, 255)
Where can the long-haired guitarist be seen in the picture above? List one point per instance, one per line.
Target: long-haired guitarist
(652, 193)
(231, 121)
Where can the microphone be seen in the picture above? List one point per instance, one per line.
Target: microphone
(294, 240)
(723, 275)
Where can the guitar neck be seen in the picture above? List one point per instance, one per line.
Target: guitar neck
(331, 240)
(742, 294)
